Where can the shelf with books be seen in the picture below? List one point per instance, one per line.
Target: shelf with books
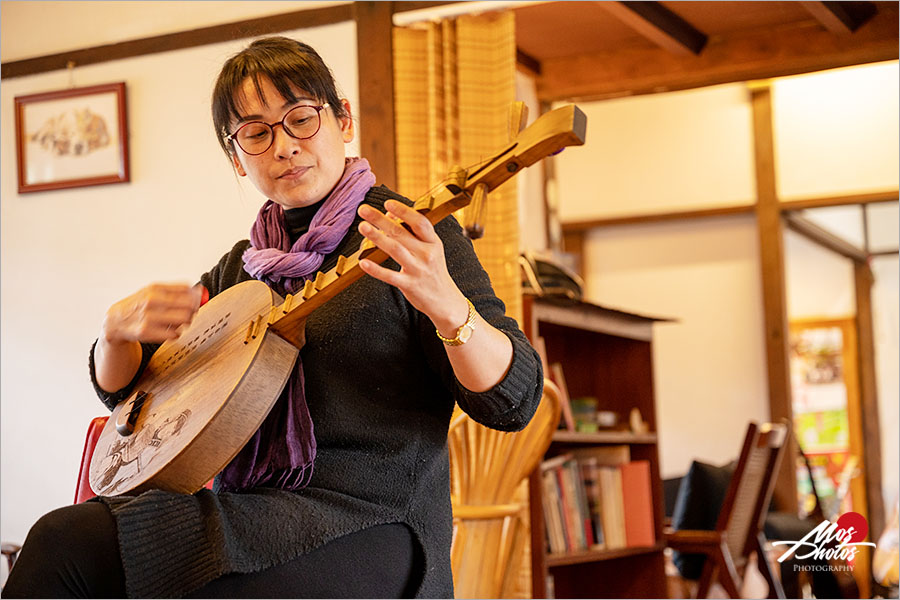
(580, 516)
(597, 498)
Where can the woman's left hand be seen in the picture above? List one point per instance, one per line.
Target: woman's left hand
(423, 277)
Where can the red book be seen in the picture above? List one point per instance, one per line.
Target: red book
(638, 502)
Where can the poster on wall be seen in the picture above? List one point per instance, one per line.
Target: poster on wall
(72, 138)
(823, 390)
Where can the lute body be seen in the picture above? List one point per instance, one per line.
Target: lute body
(207, 392)
(204, 395)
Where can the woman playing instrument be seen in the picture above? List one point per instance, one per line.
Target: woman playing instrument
(344, 490)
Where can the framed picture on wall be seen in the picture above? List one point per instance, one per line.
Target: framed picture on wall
(72, 138)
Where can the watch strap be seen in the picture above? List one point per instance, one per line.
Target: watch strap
(470, 323)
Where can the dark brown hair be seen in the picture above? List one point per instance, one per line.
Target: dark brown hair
(287, 63)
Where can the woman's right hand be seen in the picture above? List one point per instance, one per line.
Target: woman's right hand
(156, 313)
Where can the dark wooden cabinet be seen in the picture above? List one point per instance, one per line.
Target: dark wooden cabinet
(607, 354)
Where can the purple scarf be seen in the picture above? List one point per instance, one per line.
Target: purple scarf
(281, 452)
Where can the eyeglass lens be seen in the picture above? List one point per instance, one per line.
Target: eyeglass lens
(301, 122)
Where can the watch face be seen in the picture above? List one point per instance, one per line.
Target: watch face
(465, 332)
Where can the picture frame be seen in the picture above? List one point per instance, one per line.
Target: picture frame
(72, 138)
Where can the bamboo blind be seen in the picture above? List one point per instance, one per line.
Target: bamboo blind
(454, 84)
(411, 105)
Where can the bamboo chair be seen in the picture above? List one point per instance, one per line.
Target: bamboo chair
(490, 524)
(739, 529)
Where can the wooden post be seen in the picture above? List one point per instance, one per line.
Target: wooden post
(771, 250)
(374, 50)
(868, 399)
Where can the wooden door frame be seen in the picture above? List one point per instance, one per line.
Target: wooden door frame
(857, 443)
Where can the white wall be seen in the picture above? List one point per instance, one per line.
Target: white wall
(709, 365)
(67, 255)
(819, 282)
(836, 132)
(41, 27)
(682, 150)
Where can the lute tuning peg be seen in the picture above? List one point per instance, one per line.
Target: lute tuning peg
(474, 213)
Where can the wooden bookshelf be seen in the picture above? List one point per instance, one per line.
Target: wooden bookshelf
(605, 353)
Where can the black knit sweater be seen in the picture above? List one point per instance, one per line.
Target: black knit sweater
(380, 391)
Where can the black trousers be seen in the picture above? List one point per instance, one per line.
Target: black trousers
(73, 552)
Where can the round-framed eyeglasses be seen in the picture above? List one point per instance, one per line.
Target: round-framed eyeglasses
(301, 122)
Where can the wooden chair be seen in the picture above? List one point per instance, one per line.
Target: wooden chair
(490, 523)
(739, 529)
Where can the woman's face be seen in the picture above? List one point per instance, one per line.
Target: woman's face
(292, 172)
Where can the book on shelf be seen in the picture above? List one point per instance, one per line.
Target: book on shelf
(637, 495)
(553, 504)
(576, 503)
(573, 522)
(556, 373)
(556, 540)
(609, 456)
(590, 477)
(612, 507)
(601, 465)
(584, 512)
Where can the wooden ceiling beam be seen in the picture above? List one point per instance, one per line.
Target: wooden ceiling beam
(824, 238)
(297, 19)
(410, 5)
(841, 17)
(573, 227)
(844, 200)
(659, 25)
(528, 62)
(794, 49)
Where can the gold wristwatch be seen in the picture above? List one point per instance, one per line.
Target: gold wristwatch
(464, 332)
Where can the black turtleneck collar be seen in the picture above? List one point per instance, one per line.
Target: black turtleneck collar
(297, 220)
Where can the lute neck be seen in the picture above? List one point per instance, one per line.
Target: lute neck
(549, 134)
(287, 319)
